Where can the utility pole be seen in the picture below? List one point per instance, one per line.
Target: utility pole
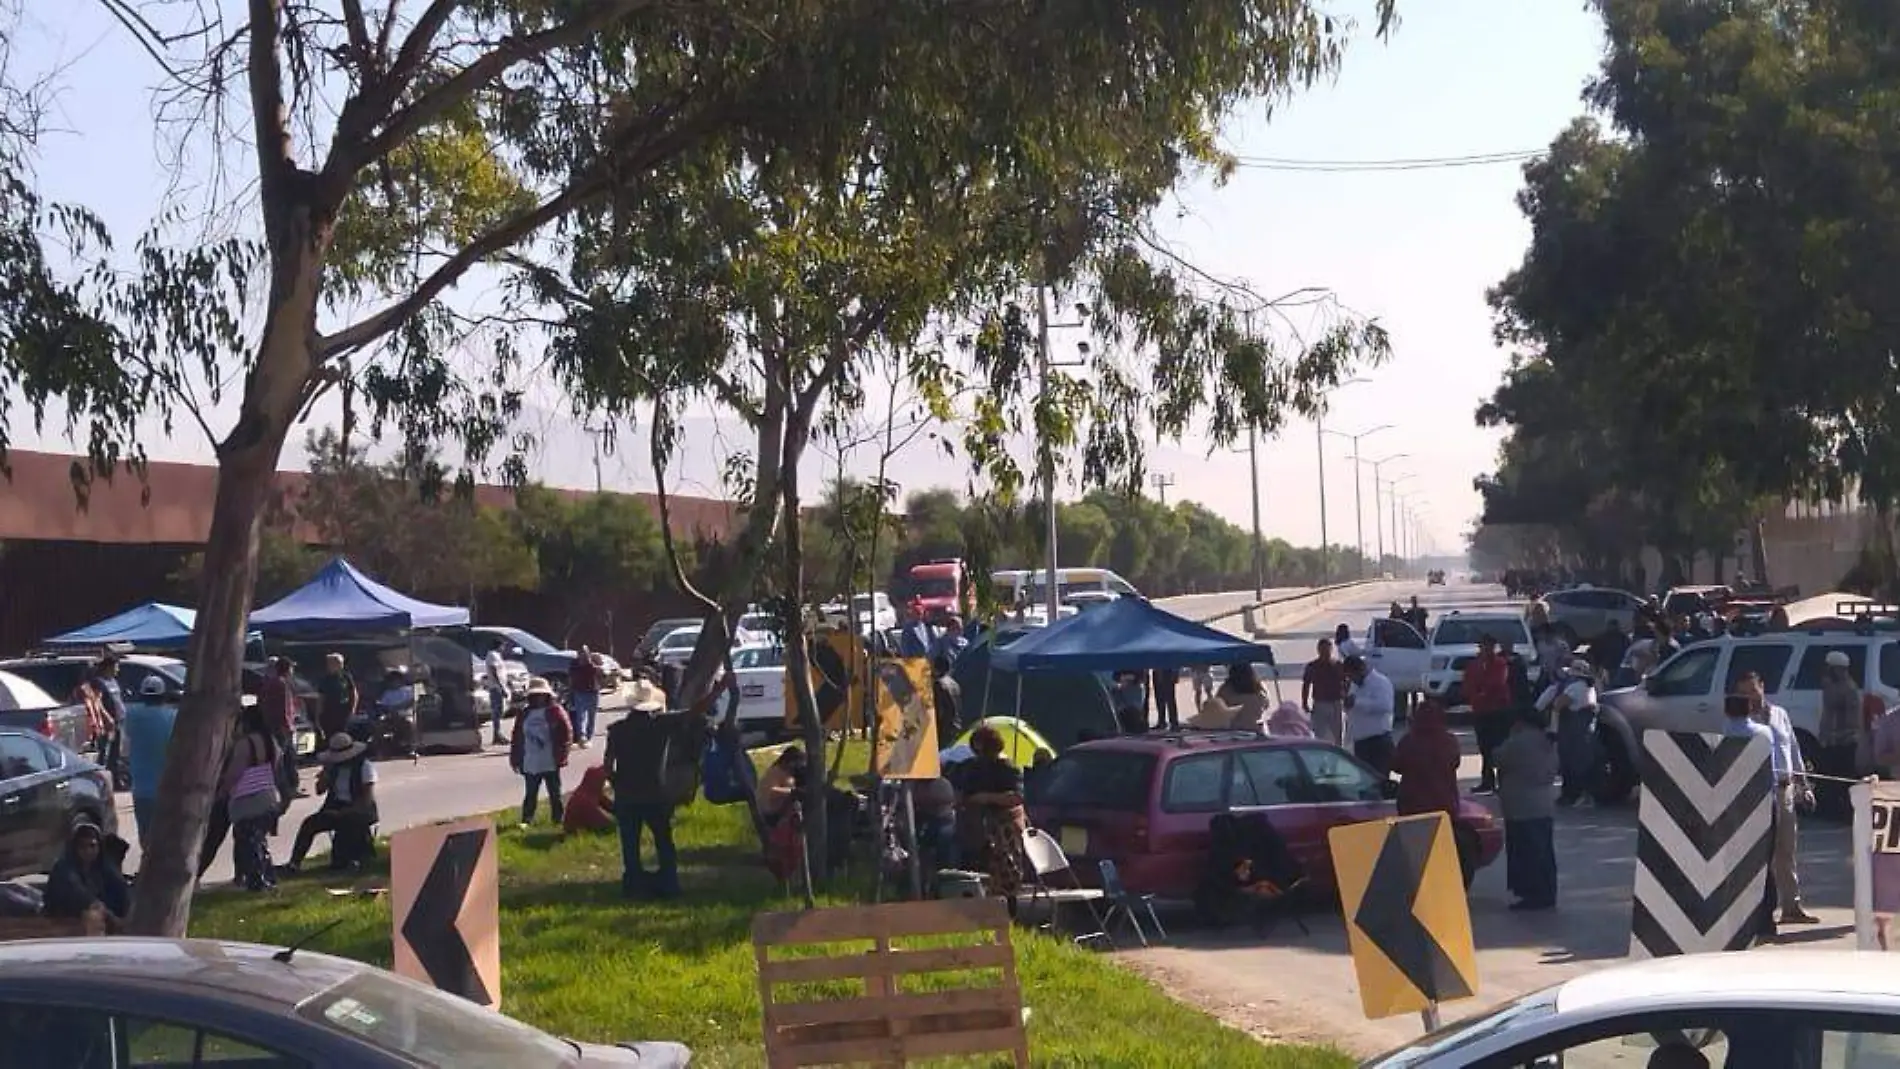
(1325, 546)
(593, 433)
(1052, 599)
(1161, 483)
(1378, 524)
(1253, 483)
(1358, 496)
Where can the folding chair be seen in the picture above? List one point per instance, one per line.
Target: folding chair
(1046, 859)
(1126, 903)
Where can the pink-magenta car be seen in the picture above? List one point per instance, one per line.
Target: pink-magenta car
(1144, 802)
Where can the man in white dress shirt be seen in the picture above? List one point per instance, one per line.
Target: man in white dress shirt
(1791, 791)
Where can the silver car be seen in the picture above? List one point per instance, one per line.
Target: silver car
(100, 1003)
(1582, 614)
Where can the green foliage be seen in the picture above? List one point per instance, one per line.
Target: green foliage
(284, 563)
(588, 548)
(1707, 289)
(405, 524)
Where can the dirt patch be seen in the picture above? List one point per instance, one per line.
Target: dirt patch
(1206, 985)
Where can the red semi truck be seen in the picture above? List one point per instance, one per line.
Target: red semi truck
(944, 588)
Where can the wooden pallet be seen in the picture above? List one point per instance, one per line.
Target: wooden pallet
(882, 1023)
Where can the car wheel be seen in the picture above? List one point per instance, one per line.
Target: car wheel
(1465, 838)
(1616, 777)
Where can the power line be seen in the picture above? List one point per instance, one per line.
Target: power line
(1420, 163)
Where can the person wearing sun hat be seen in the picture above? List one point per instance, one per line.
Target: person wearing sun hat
(538, 749)
(348, 784)
(1839, 730)
(653, 762)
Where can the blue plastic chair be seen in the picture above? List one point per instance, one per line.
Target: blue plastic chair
(1126, 903)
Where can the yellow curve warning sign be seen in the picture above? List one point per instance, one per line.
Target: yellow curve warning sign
(1403, 897)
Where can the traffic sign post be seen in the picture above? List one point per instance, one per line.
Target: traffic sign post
(444, 887)
(1402, 893)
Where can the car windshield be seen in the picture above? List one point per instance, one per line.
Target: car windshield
(679, 639)
(429, 1027)
(528, 642)
(756, 622)
(943, 587)
(1457, 632)
(1459, 1035)
(1104, 779)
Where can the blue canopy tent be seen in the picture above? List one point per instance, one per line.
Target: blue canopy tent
(342, 599)
(153, 625)
(1131, 634)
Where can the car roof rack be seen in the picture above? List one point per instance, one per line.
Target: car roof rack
(1188, 738)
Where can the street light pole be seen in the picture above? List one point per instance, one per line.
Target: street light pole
(1319, 442)
(1392, 493)
(1253, 483)
(1052, 600)
(1358, 494)
(1378, 524)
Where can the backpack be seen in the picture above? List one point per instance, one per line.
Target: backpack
(726, 768)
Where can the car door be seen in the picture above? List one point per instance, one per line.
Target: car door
(1193, 789)
(1271, 779)
(31, 816)
(1683, 692)
(1398, 650)
(1340, 791)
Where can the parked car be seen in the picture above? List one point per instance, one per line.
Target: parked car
(760, 671)
(1145, 802)
(46, 789)
(1744, 1011)
(650, 642)
(60, 674)
(874, 612)
(187, 1002)
(1695, 600)
(1583, 614)
(1685, 692)
(540, 657)
(1455, 642)
(676, 646)
(27, 706)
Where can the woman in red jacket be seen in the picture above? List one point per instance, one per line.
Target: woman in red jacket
(1426, 760)
(538, 750)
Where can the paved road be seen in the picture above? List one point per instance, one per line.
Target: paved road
(1301, 986)
(408, 793)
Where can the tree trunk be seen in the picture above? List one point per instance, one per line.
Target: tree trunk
(168, 868)
(247, 468)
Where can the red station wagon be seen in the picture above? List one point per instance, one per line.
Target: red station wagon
(1145, 801)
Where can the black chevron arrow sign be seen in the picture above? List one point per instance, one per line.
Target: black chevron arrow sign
(1387, 913)
(1704, 836)
(432, 929)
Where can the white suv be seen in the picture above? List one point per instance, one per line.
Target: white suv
(1685, 692)
(1455, 642)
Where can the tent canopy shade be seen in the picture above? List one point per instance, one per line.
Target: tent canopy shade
(1128, 634)
(151, 624)
(341, 598)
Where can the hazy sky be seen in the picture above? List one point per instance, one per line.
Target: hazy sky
(1413, 247)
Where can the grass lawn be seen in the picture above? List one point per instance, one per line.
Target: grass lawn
(579, 960)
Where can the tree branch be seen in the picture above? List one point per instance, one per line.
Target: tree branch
(351, 153)
(358, 29)
(275, 167)
(510, 232)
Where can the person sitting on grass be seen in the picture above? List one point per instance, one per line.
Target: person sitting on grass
(348, 785)
(84, 880)
(779, 785)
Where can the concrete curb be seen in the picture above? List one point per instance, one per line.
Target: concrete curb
(1263, 617)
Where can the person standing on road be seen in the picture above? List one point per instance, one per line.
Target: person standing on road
(1426, 761)
(279, 700)
(1322, 690)
(1203, 683)
(1527, 763)
(1131, 702)
(1369, 710)
(337, 692)
(111, 700)
(494, 674)
(1791, 793)
(1487, 689)
(1572, 706)
(583, 696)
(539, 748)
(652, 759)
(1840, 734)
(1165, 682)
(916, 638)
(1343, 642)
(1607, 651)
(1738, 712)
(148, 732)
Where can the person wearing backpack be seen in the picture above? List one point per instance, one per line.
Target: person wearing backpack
(652, 760)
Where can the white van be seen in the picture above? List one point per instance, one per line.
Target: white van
(1685, 692)
(1017, 585)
